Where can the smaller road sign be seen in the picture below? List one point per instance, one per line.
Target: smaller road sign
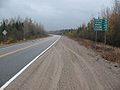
(4, 32)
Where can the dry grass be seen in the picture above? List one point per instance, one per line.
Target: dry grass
(111, 53)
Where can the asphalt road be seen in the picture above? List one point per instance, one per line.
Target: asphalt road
(14, 58)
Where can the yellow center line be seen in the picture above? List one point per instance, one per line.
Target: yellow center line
(22, 48)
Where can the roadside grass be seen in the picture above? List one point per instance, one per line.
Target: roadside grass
(111, 53)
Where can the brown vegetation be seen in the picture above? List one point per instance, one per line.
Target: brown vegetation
(111, 53)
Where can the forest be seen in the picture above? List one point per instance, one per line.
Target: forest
(18, 30)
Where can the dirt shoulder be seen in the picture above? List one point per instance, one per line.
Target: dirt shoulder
(68, 66)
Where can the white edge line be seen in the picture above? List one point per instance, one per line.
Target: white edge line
(23, 69)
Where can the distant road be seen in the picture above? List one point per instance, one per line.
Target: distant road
(14, 58)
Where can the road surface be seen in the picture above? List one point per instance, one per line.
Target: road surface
(15, 57)
(68, 66)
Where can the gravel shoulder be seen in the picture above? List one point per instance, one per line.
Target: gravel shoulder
(68, 66)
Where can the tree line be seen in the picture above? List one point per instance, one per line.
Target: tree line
(60, 32)
(18, 29)
(113, 34)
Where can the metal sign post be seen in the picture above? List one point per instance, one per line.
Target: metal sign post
(105, 41)
(106, 29)
(95, 40)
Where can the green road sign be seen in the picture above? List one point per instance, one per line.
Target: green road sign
(100, 24)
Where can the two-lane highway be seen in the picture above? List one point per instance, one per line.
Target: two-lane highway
(15, 57)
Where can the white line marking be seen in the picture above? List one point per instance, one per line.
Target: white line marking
(15, 76)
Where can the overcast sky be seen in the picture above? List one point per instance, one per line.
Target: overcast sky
(54, 14)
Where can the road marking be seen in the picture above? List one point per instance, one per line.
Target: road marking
(15, 76)
(22, 49)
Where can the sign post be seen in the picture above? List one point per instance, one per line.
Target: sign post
(105, 41)
(95, 39)
(100, 25)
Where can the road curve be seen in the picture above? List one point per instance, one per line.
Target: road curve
(14, 58)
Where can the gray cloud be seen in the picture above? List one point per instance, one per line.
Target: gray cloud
(54, 14)
(2, 2)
